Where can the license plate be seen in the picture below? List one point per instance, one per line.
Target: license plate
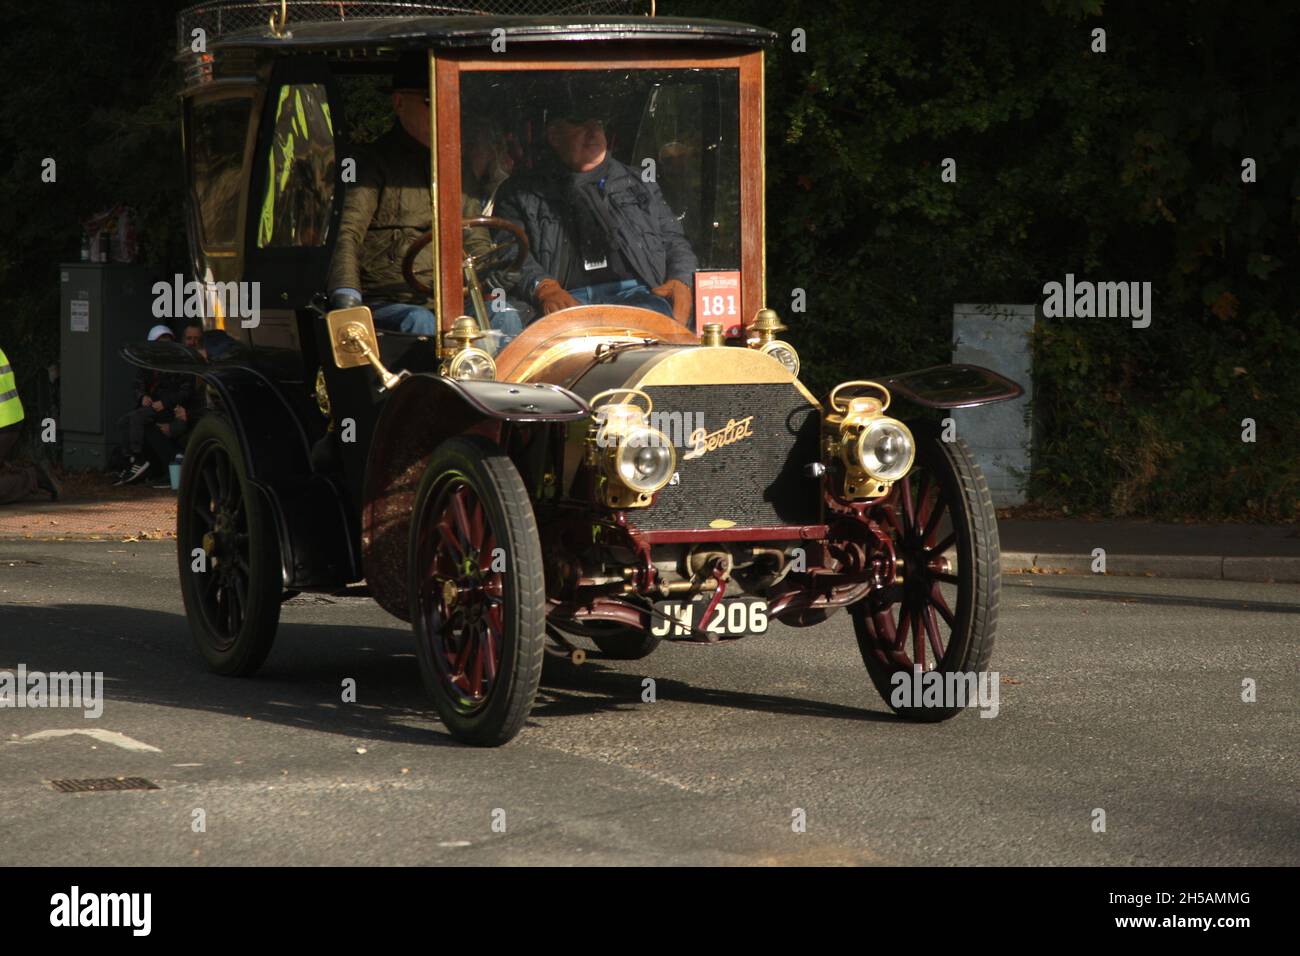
(733, 617)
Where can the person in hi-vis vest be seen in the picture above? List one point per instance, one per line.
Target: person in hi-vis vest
(15, 482)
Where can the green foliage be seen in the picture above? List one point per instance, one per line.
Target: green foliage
(93, 88)
(1116, 166)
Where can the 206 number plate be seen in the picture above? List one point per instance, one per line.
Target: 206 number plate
(737, 617)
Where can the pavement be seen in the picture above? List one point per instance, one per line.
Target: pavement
(1227, 552)
(134, 512)
(1138, 722)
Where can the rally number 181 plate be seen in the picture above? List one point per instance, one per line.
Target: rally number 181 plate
(734, 617)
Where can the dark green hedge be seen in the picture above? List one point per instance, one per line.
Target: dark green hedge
(1117, 166)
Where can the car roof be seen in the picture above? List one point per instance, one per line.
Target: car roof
(469, 32)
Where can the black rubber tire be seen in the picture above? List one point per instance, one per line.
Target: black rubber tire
(974, 520)
(496, 483)
(214, 449)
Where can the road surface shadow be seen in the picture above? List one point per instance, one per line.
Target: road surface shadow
(569, 690)
(146, 657)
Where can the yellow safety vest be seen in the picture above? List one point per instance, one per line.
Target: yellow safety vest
(11, 409)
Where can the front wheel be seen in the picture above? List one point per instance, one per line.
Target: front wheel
(942, 617)
(478, 597)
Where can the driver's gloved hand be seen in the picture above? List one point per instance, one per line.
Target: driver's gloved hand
(345, 299)
(552, 297)
(679, 296)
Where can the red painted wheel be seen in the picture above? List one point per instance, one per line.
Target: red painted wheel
(942, 615)
(477, 591)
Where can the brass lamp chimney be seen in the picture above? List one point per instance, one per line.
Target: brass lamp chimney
(767, 325)
(464, 332)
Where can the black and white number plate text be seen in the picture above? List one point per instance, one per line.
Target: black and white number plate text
(734, 617)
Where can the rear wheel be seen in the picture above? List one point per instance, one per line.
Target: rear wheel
(943, 616)
(227, 552)
(478, 599)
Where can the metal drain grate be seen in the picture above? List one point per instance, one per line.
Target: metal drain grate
(92, 785)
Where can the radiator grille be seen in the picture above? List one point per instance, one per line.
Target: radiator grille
(757, 481)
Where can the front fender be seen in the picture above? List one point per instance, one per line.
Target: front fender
(420, 413)
(952, 386)
(518, 401)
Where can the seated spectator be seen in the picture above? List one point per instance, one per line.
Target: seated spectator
(167, 439)
(158, 396)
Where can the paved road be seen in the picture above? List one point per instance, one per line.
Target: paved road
(1122, 694)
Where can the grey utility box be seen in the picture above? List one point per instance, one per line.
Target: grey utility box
(102, 306)
(997, 337)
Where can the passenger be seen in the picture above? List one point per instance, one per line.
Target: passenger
(485, 164)
(385, 211)
(598, 233)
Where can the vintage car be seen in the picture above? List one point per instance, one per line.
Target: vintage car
(614, 474)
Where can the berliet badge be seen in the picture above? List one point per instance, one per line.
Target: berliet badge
(732, 432)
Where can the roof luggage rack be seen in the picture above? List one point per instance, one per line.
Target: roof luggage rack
(221, 17)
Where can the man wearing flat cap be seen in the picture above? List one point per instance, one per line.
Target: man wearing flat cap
(598, 233)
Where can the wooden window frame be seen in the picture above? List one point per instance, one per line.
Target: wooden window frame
(447, 68)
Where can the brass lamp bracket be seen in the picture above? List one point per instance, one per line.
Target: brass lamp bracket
(353, 343)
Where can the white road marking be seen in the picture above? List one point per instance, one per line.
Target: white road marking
(103, 736)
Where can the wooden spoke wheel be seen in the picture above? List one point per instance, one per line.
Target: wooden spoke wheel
(942, 615)
(477, 591)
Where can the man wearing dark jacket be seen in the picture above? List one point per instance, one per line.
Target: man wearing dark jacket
(598, 234)
(385, 211)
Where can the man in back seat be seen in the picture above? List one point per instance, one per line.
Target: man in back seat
(385, 211)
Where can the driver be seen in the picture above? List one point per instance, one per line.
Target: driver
(385, 211)
(598, 234)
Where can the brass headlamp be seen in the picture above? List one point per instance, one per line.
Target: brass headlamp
(634, 459)
(875, 450)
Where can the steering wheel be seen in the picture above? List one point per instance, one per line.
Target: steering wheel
(492, 258)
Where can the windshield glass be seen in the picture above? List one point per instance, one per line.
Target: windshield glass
(619, 179)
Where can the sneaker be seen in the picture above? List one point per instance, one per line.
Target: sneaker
(45, 479)
(132, 472)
